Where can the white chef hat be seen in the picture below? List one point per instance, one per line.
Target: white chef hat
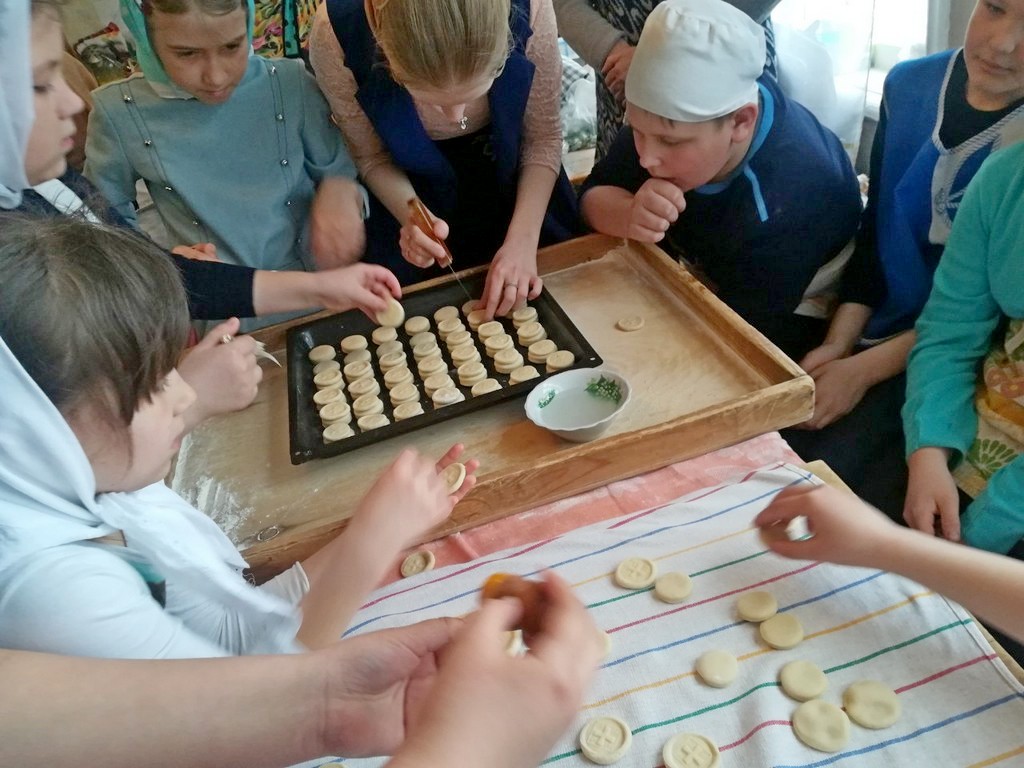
(696, 60)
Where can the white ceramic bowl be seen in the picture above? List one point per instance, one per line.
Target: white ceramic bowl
(563, 404)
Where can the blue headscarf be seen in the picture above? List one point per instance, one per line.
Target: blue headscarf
(149, 62)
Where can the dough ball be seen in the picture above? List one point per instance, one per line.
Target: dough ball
(802, 680)
(821, 726)
(673, 587)
(782, 631)
(872, 704)
(717, 668)
(757, 606)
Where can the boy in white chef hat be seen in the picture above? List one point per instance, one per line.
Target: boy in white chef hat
(715, 160)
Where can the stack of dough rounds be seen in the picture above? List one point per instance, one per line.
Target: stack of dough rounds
(523, 373)
(326, 365)
(384, 334)
(397, 375)
(337, 431)
(673, 587)
(437, 381)
(393, 314)
(636, 573)
(802, 680)
(494, 344)
(476, 318)
(404, 393)
(353, 343)
(446, 313)
(821, 726)
(539, 351)
(359, 356)
(360, 387)
(605, 740)
(325, 397)
(360, 370)
(492, 328)
(717, 668)
(531, 333)
(507, 360)
(470, 306)
(418, 324)
(457, 338)
(372, 421)
(425, 350)
(447, 327)
(782, 631)
(690, 750)
(321, 354)
(447, 396)
(367, 405)
(431, 365)
(872, 704)
(333, 413)
(421, 337)
(465, 353)
(757, 606)
(485, 386)
(389, 348)
(328, 380)
(523, 316)
(559, 361)
(392, 360)
(408, 410)
(471, 373)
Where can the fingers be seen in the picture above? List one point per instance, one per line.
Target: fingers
(418, 248)
(568, 639)
(513, 294)
(217, 334)
(493, 289)
(949, 517)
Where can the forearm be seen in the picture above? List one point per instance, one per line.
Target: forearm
(246, 712)
(284, 291)
(988, 585)
(392, 187)
(535, 185)
(885, 360)
(586, 30)
(847, 325)
(606, 210)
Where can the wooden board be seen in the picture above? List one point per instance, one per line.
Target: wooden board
(701, 378)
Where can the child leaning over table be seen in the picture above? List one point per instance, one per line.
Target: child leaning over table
(99, 557)
(737, 179)
(235, 150)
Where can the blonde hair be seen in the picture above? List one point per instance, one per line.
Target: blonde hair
(439, 43)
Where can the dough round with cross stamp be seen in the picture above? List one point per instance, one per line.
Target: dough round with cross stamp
(488, 329)
(524, 315)
(425, 350)
(437, 381)
(360, 370)
(338, 411)
(559, 361)
(757, 606)
(465, 353)
(821, 726)
(360, 387)
(431, 365)
(417, 324)
(717, 668)
(454, 475)
(476, 318)
(372, 421)
(321, 353)
(393, 360)
(337, 431)
(323, 397)
(384, 334)
(494, 344)
(630, 323)
(690, 750)
(673, 587)
(418, 562)
(353, 343)
(405, 392)
(447, 396)
(326, 365)
(407, 410)
(531, 333)
(396, 376)
(636, 573)
(328, 380)
(393, 315)
(471, 373)
(458, 338)
(446, 313)
(485, 386)
(447, 327)
(782, 631)
(367, 405)
(422, 337)
(539, 351)
(389, 348)
(605, 740)
(523, 373)
(802, 680)
(872, 704)
(359, 356)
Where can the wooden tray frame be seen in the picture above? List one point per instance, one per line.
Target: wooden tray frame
(786, 398)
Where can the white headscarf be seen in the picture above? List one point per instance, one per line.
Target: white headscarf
(16, 113)
(48, 499)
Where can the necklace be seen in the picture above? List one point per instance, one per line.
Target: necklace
(463, 123)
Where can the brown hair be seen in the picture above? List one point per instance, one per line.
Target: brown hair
(440, 43)
(90, 311)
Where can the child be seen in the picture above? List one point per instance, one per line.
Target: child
(456, 102)
(847, 531)
(100, 557)
(941, 117)
(235, 150)
(743, 183)
(973, 321)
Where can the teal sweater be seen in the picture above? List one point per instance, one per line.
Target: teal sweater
(978, 283)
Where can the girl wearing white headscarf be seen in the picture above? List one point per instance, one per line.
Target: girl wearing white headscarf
(15, 101)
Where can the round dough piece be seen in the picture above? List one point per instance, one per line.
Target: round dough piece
(447, 327)
(372, 421)
(360, 387)
(447, 396)
(360, 370)
(454, 475)
(872, 704)
(673, 587)
(398, 375)
(802, 680)
(717, 668)
(417, 324)
(636, 573)
(782, 631)
(465, 353)
(446, 313)
(494, 344)
(360, 355)
(405, 392)
(508, 360)
(476, 318)
(337, 431)
(324, 397)
(458, 338)
(821, 726)
(757, 606)
(408, 409)
(367, 405)
(321, 354)
(485, 386)
(419, 338)
(523, 316)
(326, 365)
(431, 365)
(437, 381)
(630, 323)
(523, 373)
(389, 348)
(384, 334)
(392, 360)
(531, 333)
(327, 380)
(605, 740)
(334, 412)
(353, 343)
(560, 360)
(471, 373)
(539, 351)
(690, 750)
(425, 350)
(492, 328)
(470, 306)
(393, 314)
(418, 562)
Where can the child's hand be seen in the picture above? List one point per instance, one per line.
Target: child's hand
(408, 500)
(844, 529)
(616, 67)
(931, 494)
(419, 248)
(540, 692)
(838, 386)
(225, 377)
(656, 207)
(363, 286)
(337, 236)
(512, 278)
(822, 355)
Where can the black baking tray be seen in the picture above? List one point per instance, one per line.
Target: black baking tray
(305, 428)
